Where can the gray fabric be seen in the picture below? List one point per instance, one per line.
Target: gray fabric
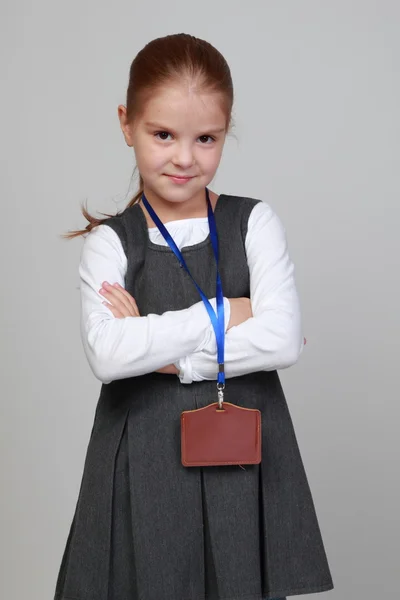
(146, 527)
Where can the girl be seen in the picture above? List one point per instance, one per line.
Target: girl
(145, 526)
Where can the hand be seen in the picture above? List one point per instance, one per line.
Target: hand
(168, 370)
(122, 305)
(240, 311)
(120, 302)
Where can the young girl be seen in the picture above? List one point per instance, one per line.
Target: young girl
(145, 526)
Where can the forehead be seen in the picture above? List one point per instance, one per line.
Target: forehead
(184, 108)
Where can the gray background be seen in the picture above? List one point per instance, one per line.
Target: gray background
(317, 100)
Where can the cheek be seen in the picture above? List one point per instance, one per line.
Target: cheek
(150, 158)
(210, 160)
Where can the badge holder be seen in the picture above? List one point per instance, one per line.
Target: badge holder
(220, 434)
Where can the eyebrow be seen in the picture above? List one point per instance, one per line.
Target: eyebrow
(163, 128)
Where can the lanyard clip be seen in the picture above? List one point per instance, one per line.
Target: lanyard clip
(220, 388)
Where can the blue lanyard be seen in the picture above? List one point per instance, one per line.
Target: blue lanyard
(217, 320)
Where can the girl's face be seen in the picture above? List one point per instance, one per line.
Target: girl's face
(180, 133)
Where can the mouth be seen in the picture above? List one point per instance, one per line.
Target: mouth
(179, 178)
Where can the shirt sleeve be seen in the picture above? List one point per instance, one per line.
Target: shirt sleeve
(272, 338)
(132, 346)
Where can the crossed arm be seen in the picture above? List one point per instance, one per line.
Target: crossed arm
(123, 305)
(265, 334)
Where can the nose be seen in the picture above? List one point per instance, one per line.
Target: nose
(183, 156)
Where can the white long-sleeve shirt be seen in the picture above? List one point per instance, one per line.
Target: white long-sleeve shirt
(132, 346)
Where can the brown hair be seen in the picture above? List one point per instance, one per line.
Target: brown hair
(179, 57)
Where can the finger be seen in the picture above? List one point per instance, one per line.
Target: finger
(117, 293)
(126, 298)
(129, 297)
(116, 303)
(117, 299)
(114, 311)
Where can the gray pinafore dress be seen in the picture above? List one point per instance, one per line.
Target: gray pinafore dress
(147, 528)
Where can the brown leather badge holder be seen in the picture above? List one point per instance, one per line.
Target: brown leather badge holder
(229, 436)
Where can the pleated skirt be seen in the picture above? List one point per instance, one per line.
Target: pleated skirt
(147, 528)
(122, 575)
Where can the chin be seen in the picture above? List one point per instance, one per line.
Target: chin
(178, 192)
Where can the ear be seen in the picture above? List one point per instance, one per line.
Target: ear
(125, 126)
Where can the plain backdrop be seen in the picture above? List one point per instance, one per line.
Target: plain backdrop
(317, 137)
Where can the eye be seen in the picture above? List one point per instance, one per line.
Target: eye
(205, 137)
(162, 135)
